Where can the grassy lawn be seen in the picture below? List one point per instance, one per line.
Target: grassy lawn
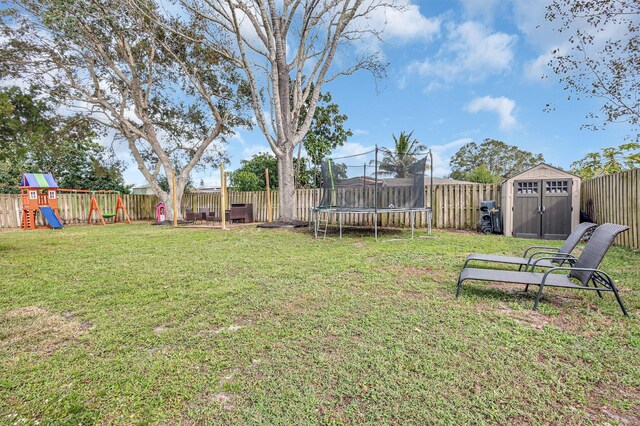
(142, 324)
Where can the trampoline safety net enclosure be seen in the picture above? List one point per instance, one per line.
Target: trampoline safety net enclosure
(373, 182)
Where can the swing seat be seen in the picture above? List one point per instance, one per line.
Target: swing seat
(108, 215)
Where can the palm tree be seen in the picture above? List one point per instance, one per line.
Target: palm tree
(398, 162)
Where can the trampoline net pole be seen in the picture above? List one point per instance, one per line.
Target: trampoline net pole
(375, 184)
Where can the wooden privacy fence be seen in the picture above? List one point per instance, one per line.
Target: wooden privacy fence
(615, 199)
(455, 205)
(74, 208)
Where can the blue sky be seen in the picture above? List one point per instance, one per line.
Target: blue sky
(458, 71)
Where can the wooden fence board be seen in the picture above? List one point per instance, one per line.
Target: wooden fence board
(616, 199)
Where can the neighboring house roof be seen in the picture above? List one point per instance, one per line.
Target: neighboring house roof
(393, 182)
(436, 181)
(207, 189)
(358, 181)
(142, 189)
(38, 180)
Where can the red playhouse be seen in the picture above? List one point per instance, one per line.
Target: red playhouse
(39, 195)
(161, 212)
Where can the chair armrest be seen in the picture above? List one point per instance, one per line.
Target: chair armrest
(554, 253)
(566, 268)
(539, 247)
(564, 256)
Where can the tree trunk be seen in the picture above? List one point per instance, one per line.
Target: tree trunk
(167, 198)
(286, 187)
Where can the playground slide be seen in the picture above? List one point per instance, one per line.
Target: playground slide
(50, 217)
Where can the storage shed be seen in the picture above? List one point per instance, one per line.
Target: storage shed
(541, 202)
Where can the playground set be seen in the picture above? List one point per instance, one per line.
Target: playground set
(40, 195)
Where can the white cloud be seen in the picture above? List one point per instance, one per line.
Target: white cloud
(408, 23)
(471, 53)
(538, 68)
(360, 132)
(502, 106)
(237, 138)
(401, 23)
(450, 145)
(483, 9)
(529, 17)
(252, 150)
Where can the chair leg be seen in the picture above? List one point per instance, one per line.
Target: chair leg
(624, 311)
(526, 288)
(595, 285)
(459, 287)
(535, 305)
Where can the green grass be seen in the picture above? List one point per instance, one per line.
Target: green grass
(141, 324)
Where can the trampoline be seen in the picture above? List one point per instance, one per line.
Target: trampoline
(373, 183)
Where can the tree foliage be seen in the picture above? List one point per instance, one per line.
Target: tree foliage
(36, 139)
(603, 58)
(499, 159)
(251, 174)
(127, 66)
(327, 131)
(608, 161)
(397, 161)
(481, 174)
(244, 180)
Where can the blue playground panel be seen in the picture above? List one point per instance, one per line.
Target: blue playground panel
(50, 217)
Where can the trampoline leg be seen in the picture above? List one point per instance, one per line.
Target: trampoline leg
(315, 224)
(375, 225)
(413, 221)
(326, 224)
(430, 217)
(340, 223)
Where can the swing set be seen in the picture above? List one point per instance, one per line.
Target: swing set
(94, 207)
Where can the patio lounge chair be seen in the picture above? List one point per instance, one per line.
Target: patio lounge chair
(583, 271)
(560, 256)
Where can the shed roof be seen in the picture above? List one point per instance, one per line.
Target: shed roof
(539, 166)
(38, 180)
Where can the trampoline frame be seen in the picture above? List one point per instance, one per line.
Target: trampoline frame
(341, 211)
(316, 212)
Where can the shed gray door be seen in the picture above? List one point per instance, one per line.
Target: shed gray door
(556, 207)
(527, 222)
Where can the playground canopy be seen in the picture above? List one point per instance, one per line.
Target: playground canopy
(38, 180)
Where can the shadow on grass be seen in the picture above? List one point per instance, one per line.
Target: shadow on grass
(504, 292)
(361, 232)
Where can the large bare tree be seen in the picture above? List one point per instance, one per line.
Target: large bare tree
(170, 99)
(287, 50)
